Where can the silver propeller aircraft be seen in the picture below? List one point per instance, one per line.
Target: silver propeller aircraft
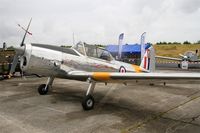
(190, 56)
(85, 63)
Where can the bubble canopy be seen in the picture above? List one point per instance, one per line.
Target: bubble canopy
(93, 51)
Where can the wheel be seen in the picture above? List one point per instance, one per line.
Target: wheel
(42, 90)
(88, 102)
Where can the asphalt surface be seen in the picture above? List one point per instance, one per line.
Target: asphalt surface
(135, 108)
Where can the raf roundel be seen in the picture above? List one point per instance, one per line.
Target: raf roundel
(122, 69)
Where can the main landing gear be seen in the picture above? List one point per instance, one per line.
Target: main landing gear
(88, 100)
(44, 88)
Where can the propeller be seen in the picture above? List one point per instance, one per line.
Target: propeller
(181, 55)
(184, 56)
(20, 50)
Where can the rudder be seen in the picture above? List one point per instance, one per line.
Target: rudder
(148, 60)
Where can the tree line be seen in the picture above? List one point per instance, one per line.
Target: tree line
(185, 42)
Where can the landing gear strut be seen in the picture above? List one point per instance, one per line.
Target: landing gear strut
(44, 88)
(88, 100)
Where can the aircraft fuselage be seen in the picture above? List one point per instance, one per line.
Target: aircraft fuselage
(57, 61)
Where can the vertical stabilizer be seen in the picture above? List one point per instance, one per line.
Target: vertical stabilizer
(148, 61)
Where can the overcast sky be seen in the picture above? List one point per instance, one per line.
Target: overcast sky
(100, 21)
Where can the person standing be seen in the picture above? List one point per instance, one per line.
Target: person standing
(4, 46)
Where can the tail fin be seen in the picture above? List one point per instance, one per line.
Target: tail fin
(148, 61)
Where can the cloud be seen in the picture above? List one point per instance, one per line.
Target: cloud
(99, 21)
(188, 6)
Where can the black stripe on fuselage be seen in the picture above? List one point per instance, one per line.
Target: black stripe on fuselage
(56, 48)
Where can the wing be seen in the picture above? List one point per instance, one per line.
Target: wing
(131, 77)
(169, 58)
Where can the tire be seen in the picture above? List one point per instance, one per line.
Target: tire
(88, 102)
(42, 90)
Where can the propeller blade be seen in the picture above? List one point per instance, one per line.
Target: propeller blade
(26, 31)
(14, 64)
(19, 52)
(181, 55)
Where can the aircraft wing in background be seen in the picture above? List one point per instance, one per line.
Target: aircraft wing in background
(169, 58)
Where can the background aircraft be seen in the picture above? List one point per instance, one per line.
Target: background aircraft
(185, 59)
(190, 56)
(86, 63)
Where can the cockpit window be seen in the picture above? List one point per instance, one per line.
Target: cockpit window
(103, 54)
(80, 48)
(93, 51)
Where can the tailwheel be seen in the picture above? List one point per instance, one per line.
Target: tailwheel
(43, 89)
(88, 102)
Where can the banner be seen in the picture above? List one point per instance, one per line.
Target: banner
(142, 42)
(121, 37)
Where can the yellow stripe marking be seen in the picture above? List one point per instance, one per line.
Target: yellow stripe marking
(101, 76)
(137, 69)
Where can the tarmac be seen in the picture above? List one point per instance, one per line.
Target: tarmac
(135, 108)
